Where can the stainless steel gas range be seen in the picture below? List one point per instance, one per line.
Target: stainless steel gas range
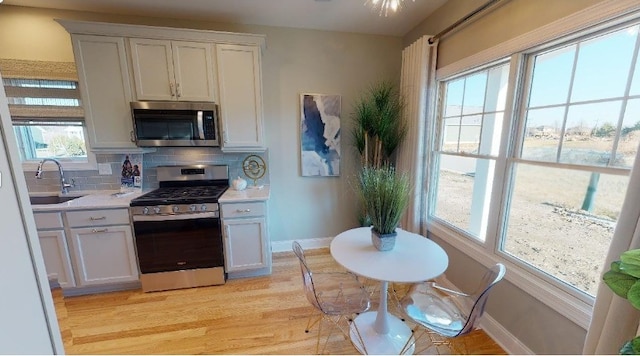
(177, 228)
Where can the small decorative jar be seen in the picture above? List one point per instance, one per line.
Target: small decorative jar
(239, 184)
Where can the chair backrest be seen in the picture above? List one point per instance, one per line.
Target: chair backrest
(307, 276)
(490, 279)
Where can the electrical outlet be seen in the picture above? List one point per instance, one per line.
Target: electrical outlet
(104, 169)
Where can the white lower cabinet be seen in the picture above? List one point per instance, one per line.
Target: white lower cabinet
(246, 242)
(102, 247)
(88, 251)
(56, 257)
(104, 255)
(53, 244)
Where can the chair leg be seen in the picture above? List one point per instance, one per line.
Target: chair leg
(313, 320)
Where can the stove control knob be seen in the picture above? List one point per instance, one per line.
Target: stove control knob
(193, 207)
(145, 210)
(176, 209)
(203, 207)
(156, 210)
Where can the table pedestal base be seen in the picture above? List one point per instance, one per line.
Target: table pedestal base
(390, 343)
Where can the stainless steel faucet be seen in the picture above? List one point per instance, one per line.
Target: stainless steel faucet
(64, 186)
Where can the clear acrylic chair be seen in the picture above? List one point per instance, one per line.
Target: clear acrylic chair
(447, 313)
(338, 296)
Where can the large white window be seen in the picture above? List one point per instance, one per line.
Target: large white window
(46, 112)
(45, 121)
(552, 195)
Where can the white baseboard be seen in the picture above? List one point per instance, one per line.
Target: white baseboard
(285, 246)
(502, 337)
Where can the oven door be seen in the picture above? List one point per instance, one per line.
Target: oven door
(178, 242)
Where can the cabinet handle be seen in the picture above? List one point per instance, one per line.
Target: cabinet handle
(181, 263)
(226, 137)
(132, 136)
(226, 231)
(171, 89)
(178, 90)
(99, 230)
(243, 210)
(98, 218)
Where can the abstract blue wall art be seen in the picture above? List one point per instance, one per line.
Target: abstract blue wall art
(320, 135)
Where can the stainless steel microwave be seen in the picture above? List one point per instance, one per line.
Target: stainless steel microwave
(177, 124)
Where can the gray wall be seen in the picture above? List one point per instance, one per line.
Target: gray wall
(295, 61)
(540, 328)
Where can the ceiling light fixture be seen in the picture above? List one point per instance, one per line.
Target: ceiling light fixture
(385, 7)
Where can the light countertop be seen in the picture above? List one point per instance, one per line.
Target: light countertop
(249, 194)
(107, 199)
(111, 199)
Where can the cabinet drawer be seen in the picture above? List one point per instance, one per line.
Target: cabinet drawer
(48, 220)
(98, 217)
(243, 210)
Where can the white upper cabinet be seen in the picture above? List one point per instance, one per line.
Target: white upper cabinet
(240, 88)
(168, 64)
(105, 87)
(172, 70)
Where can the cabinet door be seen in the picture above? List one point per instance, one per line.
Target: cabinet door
(240, 90)
(245, 244)
(56, 257)
(106, 90)
(104, 255)
(152, 69)
(193, 71)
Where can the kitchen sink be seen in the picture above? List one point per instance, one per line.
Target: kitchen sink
(51, 199)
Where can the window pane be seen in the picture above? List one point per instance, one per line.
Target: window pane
(451, 135)
(464, 188)
(45, 141)
(474, 88)
(454, 98)
(555, 225)
(40, 83)
(542, 134)
(630, 135)
(603, 66)
(589, 133)
(554, 67)
(470, 134)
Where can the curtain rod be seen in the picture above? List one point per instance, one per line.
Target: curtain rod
(462, 20)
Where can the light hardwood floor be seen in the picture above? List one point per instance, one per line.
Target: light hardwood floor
(265, 315)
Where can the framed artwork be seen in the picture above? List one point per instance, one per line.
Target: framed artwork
(320, 135)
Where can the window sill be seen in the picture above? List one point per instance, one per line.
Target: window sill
(553, 295)
(68, 166)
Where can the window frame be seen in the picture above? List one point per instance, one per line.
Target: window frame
(568, 301)
(49, 70)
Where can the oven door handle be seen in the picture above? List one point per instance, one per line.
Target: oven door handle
(169, 217)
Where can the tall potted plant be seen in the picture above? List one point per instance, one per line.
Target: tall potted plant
(385, 195)
(379, 127)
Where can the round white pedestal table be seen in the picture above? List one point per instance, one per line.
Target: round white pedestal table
(413, 259)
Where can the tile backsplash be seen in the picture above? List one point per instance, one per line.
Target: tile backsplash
(92, 180)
